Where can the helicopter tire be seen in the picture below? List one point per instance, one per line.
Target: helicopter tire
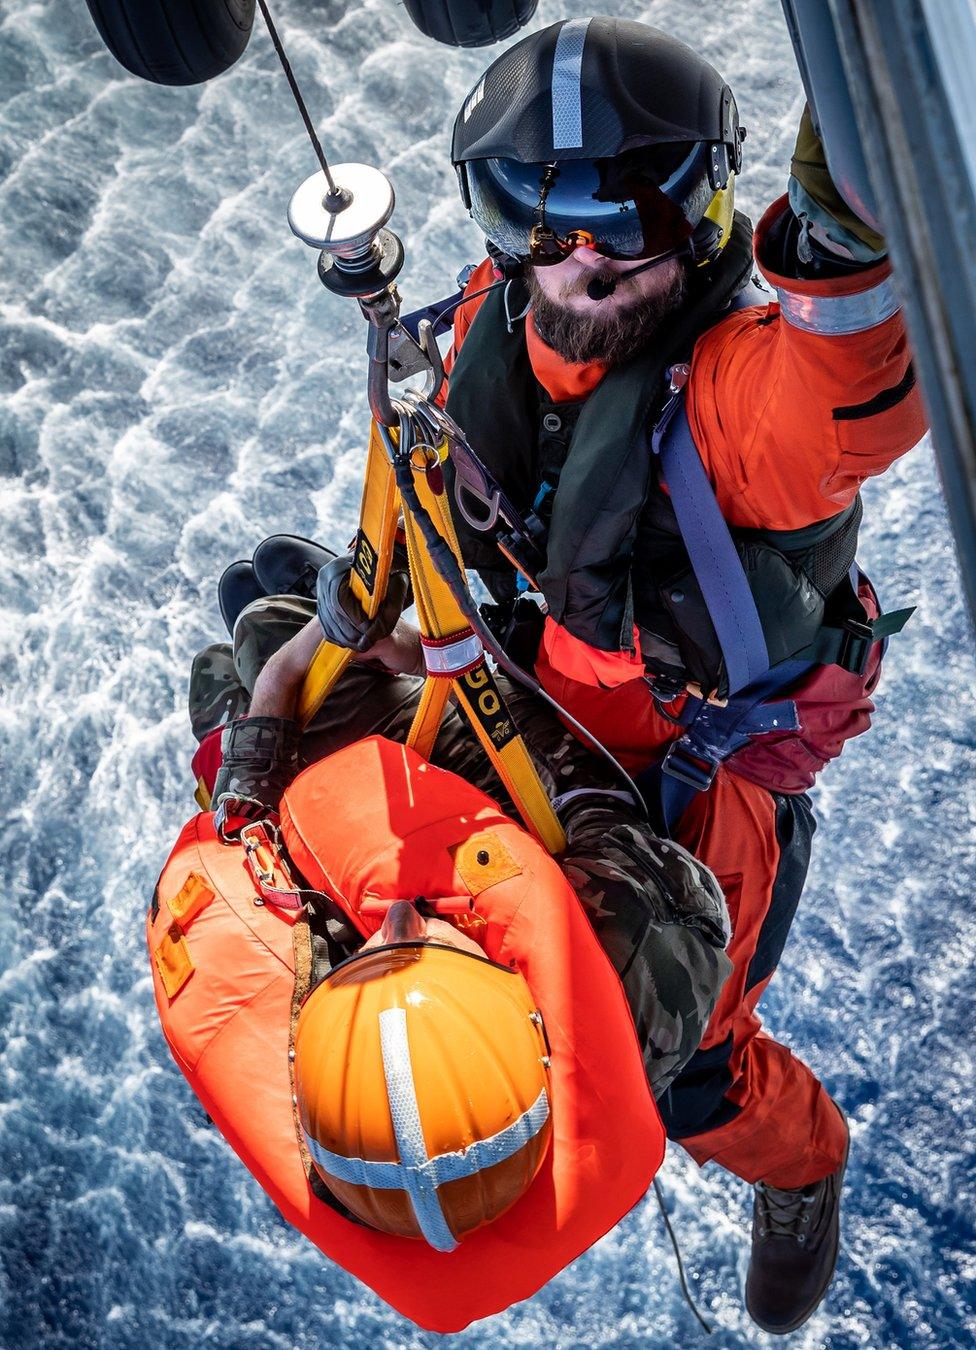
(174, 41)
(470, 23)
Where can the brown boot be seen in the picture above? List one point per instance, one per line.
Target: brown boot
(795, 1240)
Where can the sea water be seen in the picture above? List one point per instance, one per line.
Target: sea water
(175, 385)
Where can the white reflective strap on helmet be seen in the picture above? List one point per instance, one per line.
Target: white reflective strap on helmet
(567, 98)
(416, 1173)
(379, 1176)
(835, 315)
(402, 1093)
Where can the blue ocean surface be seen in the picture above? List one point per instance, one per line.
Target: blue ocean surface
(175, 385)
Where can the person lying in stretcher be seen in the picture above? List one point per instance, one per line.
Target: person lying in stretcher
(657, 912)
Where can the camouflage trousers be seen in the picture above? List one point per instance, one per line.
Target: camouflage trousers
(658, 913)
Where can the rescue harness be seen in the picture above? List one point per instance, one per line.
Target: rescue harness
(733, 618)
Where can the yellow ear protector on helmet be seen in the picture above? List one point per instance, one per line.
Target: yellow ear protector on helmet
(719, 213)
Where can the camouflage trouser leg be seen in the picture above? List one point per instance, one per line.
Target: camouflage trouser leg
(216, 695)
(657, 912)
(661, 919)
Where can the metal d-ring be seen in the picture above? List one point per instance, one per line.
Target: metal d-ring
(435, 376)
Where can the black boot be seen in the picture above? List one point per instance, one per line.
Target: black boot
(286, 564)
(237, 587)
(795, 1240)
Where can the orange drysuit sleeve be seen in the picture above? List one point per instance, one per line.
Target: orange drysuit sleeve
(794, 404)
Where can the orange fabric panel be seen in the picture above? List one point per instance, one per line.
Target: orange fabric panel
(386, 821)
(245, 935)
(172, 959)
(564, 381)
(788, 1131)
(482, 276)
(352, 843)
(623, 717)
(732, 829)
(483, 860)
(761, 397)
(588, 665)
(192, 896)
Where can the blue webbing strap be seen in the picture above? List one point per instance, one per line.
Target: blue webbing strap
(433, 311)
(522, 582)
(714, 559)
(713, 734)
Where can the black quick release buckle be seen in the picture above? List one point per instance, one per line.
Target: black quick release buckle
(855, 646)
(695, 770)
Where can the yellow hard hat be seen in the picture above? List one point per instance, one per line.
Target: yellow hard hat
(422, 1082)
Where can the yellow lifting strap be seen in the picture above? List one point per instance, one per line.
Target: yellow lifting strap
(372, 558)
(442, 625)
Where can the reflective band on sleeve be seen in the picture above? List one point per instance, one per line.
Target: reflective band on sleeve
(416, 1173)
(453, 657)
(834, 315)
(567, 105)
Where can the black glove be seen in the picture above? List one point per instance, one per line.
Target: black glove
(343, 619)
(260, 759)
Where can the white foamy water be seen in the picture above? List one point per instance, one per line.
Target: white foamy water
(176, 384)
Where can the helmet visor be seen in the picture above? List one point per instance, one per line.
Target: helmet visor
(638, 205)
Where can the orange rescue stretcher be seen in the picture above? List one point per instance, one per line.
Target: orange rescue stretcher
(231, 961)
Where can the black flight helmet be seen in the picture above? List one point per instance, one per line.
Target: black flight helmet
(604, 133)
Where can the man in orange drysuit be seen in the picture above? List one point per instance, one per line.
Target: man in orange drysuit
(703, 613)
(598, 157)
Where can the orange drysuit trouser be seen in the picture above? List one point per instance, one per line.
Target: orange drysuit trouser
(744, 1100)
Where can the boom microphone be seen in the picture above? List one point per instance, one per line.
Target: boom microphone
(600, 287)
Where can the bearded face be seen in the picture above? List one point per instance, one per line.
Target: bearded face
(580, 329)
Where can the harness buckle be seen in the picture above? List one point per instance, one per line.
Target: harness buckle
(268, 869)
(678, 375)
(683, 763)
(260, 855)
(855, 646)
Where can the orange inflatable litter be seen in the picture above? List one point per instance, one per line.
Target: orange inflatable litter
(370, 825)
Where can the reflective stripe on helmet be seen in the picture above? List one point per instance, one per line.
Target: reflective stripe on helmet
(416, 1173)
(835, 315)
(567, 96)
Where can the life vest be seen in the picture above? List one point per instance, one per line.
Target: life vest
(371, 824)
(618, 559)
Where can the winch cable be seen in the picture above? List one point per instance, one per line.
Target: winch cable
(443, 558)
(705, 1326)
(293, 85)
(439, 550)
(465, 300)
